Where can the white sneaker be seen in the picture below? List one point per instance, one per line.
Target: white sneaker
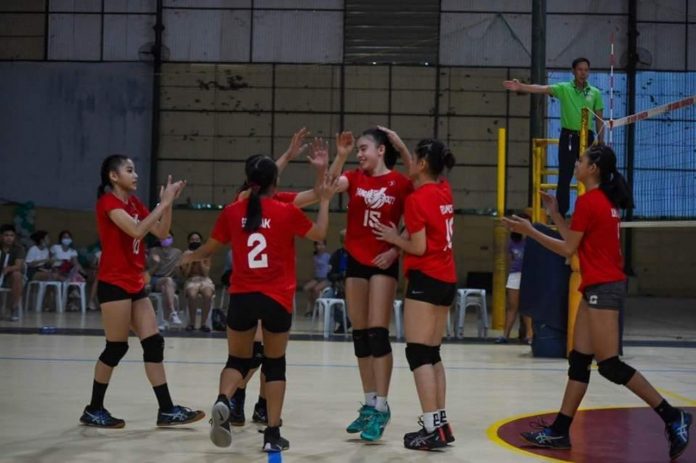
(174, 319)
(14, 316)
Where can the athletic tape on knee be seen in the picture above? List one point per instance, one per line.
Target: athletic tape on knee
(274, 369)
(361, 344)
(379, 341)
(113, 353)
(153, 348)
(418, 355)
(436, 355)
(257, 356)
(238, 363)
(616, 371)
(579, 366)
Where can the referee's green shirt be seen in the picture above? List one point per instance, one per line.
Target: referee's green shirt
(573, 100)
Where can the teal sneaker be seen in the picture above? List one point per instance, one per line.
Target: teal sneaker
(359, 423)
(375, 425)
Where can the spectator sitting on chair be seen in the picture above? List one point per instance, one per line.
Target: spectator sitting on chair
(321, 268)
(338, 263)
(12, 266)
(197, 284)
(162, 265)
(38, 259)
(67, 265)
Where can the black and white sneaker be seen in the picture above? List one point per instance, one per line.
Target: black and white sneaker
(179, 415)
(424, 440)
(260, 414)
(220, 434)
(100, 418)
(237, 417)
(678, 434)
(547, 438)
(273, 442)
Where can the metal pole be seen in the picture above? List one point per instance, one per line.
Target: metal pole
(156, 83)
(630, 128)
(537, 109)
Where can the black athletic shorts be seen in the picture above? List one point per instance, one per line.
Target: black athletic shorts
(606, 295)
(107, 292)
(423, 288)
(246, 309)
(357, 270)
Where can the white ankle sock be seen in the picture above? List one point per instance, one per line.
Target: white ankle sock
(381, 404)
(370, 399)
(431, 420)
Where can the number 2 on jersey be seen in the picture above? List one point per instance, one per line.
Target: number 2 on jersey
(257, 243)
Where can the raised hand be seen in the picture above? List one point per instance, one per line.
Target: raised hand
(327, 188)
(394, 138)
(518, 225)
(319, 154)
(297, 144)
(170, 191)
(345, 142)
(550, 202)
(512, 85)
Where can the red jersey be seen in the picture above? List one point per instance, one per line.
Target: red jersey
(122, 261)
(600, 249)
(372, 200)
(264, 260)
(430, 207)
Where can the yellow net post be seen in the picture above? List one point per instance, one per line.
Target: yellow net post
(574, 296)
(500, 239)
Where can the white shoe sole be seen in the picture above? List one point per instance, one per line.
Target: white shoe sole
(220, 436)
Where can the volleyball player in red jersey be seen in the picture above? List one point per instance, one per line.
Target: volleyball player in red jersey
(376, 194)
(429, 268)
(318, 157)
(123, 221)
(594, 233)
(262, 231)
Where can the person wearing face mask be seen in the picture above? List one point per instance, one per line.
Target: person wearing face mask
(64, 258)
(197, 285)
(163, 269)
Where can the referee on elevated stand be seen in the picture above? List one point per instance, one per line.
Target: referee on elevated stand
(574, 96)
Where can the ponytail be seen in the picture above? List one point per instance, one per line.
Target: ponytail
(109, 164)
(611, 182)
(262, 174)
(437, 155)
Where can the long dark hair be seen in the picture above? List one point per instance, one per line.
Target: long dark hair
(261, 176)
(611, 182)
(250, 160)
(110, 164)
(381, 138)
(437, 155)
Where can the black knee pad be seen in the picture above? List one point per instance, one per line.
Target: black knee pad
(379, 341)
(616, 371)
(579, 366)
(113, 353)
(257, 356)
(418, 355)
(361, 344)
(274, 369)
(153, 348)
(239, 364)
(436, 355)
